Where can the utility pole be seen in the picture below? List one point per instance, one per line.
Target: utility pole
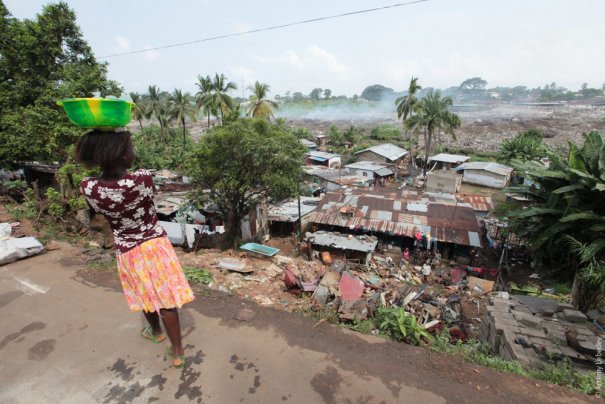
(300, 230)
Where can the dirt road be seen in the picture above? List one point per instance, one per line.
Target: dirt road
(68, 337)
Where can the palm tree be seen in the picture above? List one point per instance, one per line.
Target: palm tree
(138, 111)
(181, 107)
(205, 99)
(156, 104)
(406, 104)
(221, 100)
(432, 115)
(260, 106)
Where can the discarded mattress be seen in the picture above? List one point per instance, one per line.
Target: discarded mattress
(14, 249)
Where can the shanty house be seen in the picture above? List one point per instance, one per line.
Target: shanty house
(445, 161)
(320, 140)
(486, 174)
(443, 181)
(331, 179)
(400, 215)
(283, 217)
(370, 169)
(311, 146)
(386, 153)
(323, 159)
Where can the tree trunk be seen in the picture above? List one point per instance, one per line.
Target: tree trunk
(576, 291)
(233, 228)
(184, 132)
(141, 124)
(208, 119)
(427, 147)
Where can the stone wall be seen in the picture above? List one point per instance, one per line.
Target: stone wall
(530, 334)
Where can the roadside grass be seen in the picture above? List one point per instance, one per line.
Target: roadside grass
(561, 373)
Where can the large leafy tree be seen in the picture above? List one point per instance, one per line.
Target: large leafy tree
(181, 108)
(43, 60)
(431, 117)
(222, 101)
(406, 104)
(204, 97)
(243, 162)
(260, 105)
(566, 224)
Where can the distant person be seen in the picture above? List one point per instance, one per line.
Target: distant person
(149, 270)
(426, 271)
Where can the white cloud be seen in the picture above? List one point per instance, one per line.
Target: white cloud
(122, 44)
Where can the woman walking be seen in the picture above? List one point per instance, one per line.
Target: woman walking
(149, 270)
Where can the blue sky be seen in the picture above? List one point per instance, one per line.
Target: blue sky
(507, 42)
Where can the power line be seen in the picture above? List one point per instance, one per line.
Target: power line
(252, 31)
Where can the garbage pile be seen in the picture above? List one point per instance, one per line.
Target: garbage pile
(436, 296)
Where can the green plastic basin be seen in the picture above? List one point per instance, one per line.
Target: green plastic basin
(101, 113)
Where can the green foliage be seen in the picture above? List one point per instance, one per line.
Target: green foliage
(377, 92)
(152, 152)
(399, 325)
(362, 326)
(28, 209)
(385, 131)
(55, 204)
(525, 146)
(302, 133)
(198, 275)
(260, 105)
(239, 164)
(561, 373)
(566, 224)
(43, 60)
(315, 94)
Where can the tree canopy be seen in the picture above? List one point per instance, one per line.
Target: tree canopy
(525, 146)
(239, 164)
(377, 92)
(566, 224)
(43, 60)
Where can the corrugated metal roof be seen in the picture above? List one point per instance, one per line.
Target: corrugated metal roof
(307, 143)
(387, 150)
(337, 176)
(343, 242)
(490, 166)
(384, 172)
(478, 202)
(450, 223)
(366, 165)
(287, 211)
(321, 154)
(449, 158)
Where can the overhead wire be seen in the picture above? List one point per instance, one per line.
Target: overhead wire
(252, 31)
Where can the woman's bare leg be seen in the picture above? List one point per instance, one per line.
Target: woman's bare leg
(170, 318)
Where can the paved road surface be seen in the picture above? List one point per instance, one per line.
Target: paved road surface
(68, 337)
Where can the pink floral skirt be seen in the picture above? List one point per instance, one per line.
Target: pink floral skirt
(152, 277)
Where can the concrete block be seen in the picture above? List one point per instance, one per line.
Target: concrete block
(532, 332)
(573, 354)
(545, 345)
(526, 319)
(557, 337)
(565, 306)
(587, 343)
(574, 316)
(522, 308)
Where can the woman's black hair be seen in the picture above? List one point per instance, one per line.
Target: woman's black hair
(108, 150)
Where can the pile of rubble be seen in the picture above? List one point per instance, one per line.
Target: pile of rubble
(451, 297)
(530, 330)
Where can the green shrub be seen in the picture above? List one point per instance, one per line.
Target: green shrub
(198, 275)
(399, 325)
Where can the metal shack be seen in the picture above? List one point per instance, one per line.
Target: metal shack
(446, 162)
(486, 174)
(398, 215)
(386, 153)
(283, 216)
(330, 160)
(443, 181)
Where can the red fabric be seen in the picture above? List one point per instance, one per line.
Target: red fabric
(127, 203)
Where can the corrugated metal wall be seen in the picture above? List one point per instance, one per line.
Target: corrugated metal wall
(484, 178)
